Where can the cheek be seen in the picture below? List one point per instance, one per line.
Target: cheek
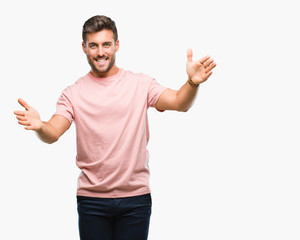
(91, 53)
(111, 52)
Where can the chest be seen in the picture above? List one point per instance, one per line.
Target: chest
(111, 102)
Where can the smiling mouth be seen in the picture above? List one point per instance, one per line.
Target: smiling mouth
(101, 60)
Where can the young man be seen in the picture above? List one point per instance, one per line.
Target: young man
(109, 107)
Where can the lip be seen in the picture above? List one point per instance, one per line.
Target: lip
(101, 61)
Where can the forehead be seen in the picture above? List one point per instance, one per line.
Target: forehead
(100, 37)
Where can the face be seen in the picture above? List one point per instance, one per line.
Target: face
(100, 49)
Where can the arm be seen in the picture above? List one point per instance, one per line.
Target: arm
(198, 72)
(48, 132)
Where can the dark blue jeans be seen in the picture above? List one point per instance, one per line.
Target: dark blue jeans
(114, 218)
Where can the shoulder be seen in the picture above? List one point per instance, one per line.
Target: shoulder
(68, 90)
(139, 76)
(78, 83)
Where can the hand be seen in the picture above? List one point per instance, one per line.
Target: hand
(199, 71)
(29, 118)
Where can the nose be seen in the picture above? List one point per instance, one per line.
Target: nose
(100, 51)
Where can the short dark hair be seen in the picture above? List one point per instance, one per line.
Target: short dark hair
(98, 23)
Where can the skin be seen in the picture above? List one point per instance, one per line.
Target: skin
(102, 46)
(198, 71)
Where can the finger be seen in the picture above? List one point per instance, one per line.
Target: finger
(23, 103)
(208, 63)
(211, 67)
(29, 128)
(21, 118)
(25, 123)
(19, 113)
(189, 54)
(203, 60)
(206, 76)
(209, 74)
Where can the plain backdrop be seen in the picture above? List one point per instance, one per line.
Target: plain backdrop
(226, 169)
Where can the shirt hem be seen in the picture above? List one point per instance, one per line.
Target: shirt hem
(63, 115)
(107, 195)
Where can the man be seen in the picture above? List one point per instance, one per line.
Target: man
(109, 107)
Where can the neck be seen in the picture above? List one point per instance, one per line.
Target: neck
(114, 70)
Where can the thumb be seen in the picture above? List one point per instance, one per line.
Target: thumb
(23, 103)
(189, 54)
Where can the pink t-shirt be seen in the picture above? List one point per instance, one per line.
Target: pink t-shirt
(112, 132)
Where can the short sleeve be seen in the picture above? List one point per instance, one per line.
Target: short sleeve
(64, 106)
(155, 90)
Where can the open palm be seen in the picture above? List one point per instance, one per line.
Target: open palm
(29, 118)
(199, 71)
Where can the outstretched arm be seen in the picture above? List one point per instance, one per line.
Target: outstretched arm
(198, 72)
(48, 132)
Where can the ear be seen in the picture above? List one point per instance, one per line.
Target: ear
(117, 45)
(83, 47)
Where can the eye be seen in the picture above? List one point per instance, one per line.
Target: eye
(107, 45)
(92, 45)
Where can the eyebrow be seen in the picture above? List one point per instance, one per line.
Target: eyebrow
(93, 43)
